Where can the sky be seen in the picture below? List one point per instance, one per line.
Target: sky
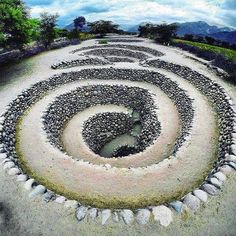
(133, 12)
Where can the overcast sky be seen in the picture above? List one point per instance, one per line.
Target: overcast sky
(132, 12)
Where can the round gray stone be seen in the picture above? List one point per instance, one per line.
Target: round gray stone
(143, 216)
(81, 212)
(220, 176)
(215, 182)
(162, 214)
(105, 216)
(92, 213)
(127, 216)
(202, 195)
(211, 189)
(192, 202)
(39, 189)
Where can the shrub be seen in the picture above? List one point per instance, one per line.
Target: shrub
(103, 41)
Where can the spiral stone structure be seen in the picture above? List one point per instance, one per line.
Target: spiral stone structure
(120, 134)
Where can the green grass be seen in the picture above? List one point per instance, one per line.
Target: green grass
(103, 41)
(228, 53)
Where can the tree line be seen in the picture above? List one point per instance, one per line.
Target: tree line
(18, 29)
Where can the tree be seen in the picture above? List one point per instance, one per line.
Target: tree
(103, 27)
(14, 25)
(145, 29)
(164, 32)
(188, 37)
(79, 22)
(34, 29)
(47, 28)
(209, 40)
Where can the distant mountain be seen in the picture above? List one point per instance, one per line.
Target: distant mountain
(199, 28)
(71, 27)
(225, 36)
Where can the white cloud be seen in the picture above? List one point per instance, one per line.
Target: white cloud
(136, 11)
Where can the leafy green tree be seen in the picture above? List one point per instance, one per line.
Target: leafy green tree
(164, 33)
(161, 33)
(209, 40)
(14, 25)
(145, 29)
(103, 27)
(47, 28)
(79, 22)
(34, 29)
(188, 37)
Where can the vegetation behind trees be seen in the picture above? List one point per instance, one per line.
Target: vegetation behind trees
(103, 27)
(47, 28)
(161, 33)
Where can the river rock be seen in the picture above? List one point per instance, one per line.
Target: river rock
(3, 156)
(162, 214)
(39, 189)
(14, 171)
(230, 158)
(60, 199)
(177, 206)
(202, 195)
(71, 204)
(127, 216)
(232, 164)
(105, 216)
(211, 189)
(115, 217)
(143, 216)
(214, 181)
(21, 178)
(225, 169)
(233, 149)
(81, 212)
(92, 213)
(192, 202)
(49, 196)
(8, 165)
(220, 176)
(28, 184)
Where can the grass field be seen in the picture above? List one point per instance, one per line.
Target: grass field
(228, 53)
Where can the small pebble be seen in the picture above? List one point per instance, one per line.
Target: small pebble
(202, 195)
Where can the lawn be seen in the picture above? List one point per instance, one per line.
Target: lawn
(228, 53)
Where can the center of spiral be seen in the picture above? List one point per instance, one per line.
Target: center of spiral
(113, 134)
